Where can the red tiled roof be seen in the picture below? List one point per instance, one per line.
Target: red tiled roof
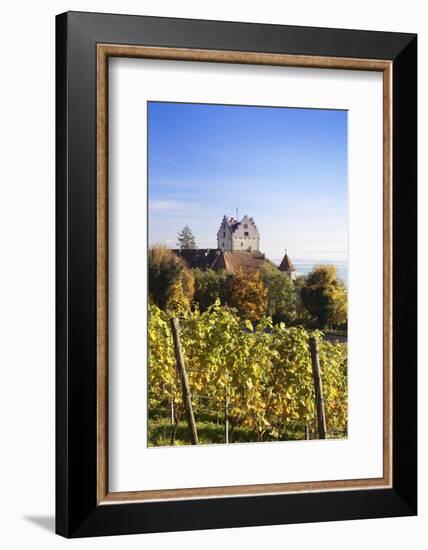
(233, 261)
(236, 261)
(286, 264)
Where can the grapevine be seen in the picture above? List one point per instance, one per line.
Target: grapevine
(263, 371)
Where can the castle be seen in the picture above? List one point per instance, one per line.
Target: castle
(238, 235)
(238, 250)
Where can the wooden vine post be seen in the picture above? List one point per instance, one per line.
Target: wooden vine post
(319, 400)
(226, 417)
(179, 357)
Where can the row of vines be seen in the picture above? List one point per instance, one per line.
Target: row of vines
(263, 372)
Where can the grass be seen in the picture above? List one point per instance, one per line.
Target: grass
(210, 430)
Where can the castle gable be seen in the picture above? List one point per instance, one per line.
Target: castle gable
(238, 235)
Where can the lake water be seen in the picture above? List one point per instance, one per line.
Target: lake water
(305, 266)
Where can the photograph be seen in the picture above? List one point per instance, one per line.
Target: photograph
(247, 274)
(236, 328)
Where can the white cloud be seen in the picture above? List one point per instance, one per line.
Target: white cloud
(166, 205)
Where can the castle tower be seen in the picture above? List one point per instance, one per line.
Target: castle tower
(238, 235)
(287, 266)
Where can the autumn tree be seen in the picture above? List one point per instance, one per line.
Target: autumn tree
(171, 283)
(186, 239)
(281, 295)
(324, 296)
(248, 295)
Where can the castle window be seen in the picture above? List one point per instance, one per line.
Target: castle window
(246, 233)
(245, 225)
(242, 244)
(224, 234)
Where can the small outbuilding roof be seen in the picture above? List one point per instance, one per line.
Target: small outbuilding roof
(286, 264)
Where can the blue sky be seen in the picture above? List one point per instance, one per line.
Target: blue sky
(285, 167)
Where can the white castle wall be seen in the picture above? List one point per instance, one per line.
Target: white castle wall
(244, 237)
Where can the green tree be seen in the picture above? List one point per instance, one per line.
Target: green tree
(248, 295)
(324, 296)
(210, 285)
(303, 317)
(281, 294)
(186, 239)
(171, 283)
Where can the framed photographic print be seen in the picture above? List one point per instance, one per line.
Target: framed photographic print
(236, 274)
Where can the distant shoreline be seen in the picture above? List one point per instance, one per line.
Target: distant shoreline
(303, 267)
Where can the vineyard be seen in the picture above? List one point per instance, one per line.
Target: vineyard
(254, 379)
